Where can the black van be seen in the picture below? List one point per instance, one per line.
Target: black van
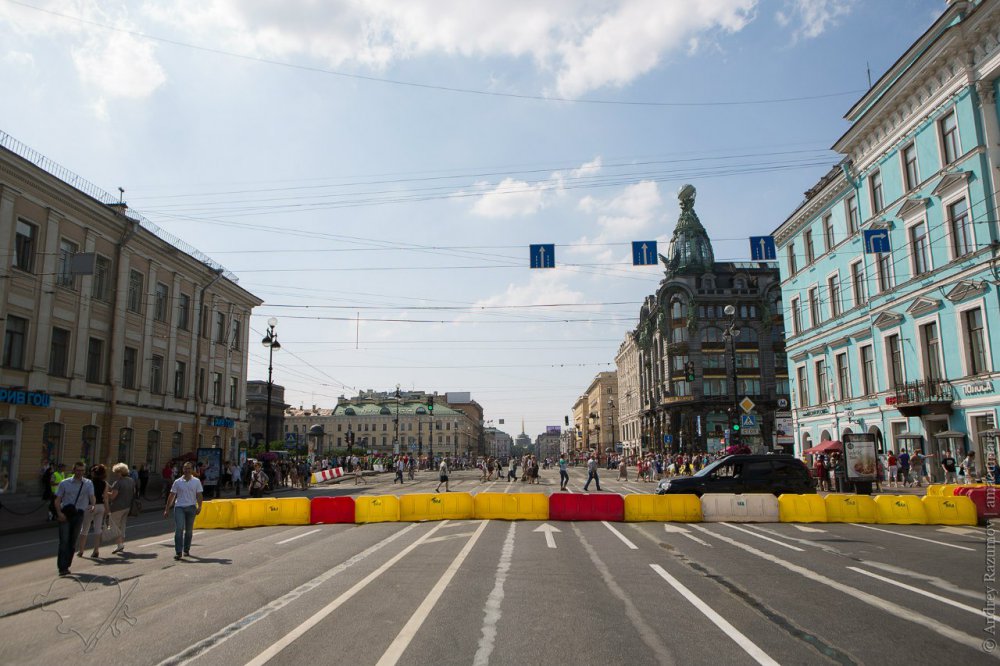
(744, 474)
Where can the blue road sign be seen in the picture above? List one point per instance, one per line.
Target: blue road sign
(543, 256)
(762, 248)
(748, 421)
(291, 438)
(668, 439)
(876, 241)
(643, 253)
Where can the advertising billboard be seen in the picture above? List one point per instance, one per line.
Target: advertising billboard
(859, 457)
(553, 430)
(211, 459)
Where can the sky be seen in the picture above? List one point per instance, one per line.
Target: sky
(376, 170)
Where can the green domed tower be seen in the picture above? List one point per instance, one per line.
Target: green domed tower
(690, 250)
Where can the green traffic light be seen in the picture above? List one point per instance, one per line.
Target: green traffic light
(736, 427)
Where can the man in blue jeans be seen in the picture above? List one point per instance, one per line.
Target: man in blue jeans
(592, 473)
(185, 499)
(73, 496)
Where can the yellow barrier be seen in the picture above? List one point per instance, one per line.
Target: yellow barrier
(512, 506)
(216, 514)
(258, 512)
(379, 509)
(950, 510)
(663, 508)
(900, 510)
(850, 509)
(801, 509)
(436, 506)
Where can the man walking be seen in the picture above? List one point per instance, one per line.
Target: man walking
(563, 473)
(949, 467)
(400, 466)
(73, 496)
(592, 473)
(186, 496)
(443, 478)
(235, 476)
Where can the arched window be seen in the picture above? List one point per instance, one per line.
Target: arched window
(712, 335)
(825, 436)
(739, 283)
(88, 444)
(708, 282)
(8, 449)
(152, 450)
(125, 446)
(680, 334)
(176, 445)
(747, 335)
(676, 309)
(806, 440)
(52, 443)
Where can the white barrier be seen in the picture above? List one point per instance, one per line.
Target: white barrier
(730, 508)
(327, 474)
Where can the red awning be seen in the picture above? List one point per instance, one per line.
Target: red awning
(823, 447)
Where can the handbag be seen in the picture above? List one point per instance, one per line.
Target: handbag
(109, 533)
(70, 510)
(136, 508)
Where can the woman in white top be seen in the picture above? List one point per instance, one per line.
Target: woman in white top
(444, 476)
(185, 499)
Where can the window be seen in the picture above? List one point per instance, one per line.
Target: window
(919, 249)
(894, 352)
(712, 335)
(201, 383)
(101, 285)
(810, 248)
(868, 370)
(681, 389)
(176, 444)
(910, 167)
(125, 446)
(217, 388)
(949, 138)
(64, 278)
(858, 283)
(828, 232)
(152, 450)
(814, 318)
(161, 300)
(975, 341)
(95, 360)
(134, 303)
(961, 228)
(796, 317)
(748, 386)
(884, 266)
(220, 327)
(680, 334)
(821, 382)
(156, 375)
(714, 386)
(52, 441)
(803, 382)
(59, 352)
(748, 360)
(792, 267)
(180, 378)
(15, 336)
(183, 312)
(234, 393)
(24, 246)
(88, 443)
(781, 386)
(129, 363)
(931, 343)
(236, 335)
(853, 216)
(833, 289)
(709, 361)
(875, 185)
(747, 336)
(843, 377)
(203, 323)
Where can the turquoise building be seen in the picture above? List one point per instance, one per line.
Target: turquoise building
(900, 342)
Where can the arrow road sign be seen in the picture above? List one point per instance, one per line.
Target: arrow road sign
(762, 248)
(550, 540)
(876, 241)
(543, 256)
(643, 253)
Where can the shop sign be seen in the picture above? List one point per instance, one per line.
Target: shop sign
(891, 400)
(12, 396)
(816, 412)
(978, 388)
(220, 422)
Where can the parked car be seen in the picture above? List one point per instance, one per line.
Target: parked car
(744, 474)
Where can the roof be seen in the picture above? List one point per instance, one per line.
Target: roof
(389, 409)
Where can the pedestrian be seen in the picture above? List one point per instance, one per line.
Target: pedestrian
(904, 466)
(819, 471)
(235, 477)
(400, 467)
(916, 468)
(622, 470)
(563, 473)
(95, 516)
(143, 480)
(358, 474)
(949, 466)
(258, 480)
(442, 476)
(186, 496)
(120, 495)
(969, 467)
(893, 469)
(512, 469)
(592, 473)
(57, 476)
(73, 496)
(167, 478)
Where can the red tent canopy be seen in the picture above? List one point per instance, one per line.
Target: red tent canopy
(823, 447)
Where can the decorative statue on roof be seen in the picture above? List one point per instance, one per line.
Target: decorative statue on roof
(690, 250)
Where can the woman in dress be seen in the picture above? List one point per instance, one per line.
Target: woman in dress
(95, 517)
(121, 493)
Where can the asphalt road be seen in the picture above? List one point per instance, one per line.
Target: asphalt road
(478, 592)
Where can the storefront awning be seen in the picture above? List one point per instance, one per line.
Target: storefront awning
(950, 434)
(823, 447)
(909, 435)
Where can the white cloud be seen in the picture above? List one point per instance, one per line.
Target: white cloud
(118, 65)
(543, 286)
(18, 59)
(511, 198)
(619, 219)
(811, 18)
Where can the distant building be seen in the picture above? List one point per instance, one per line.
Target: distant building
(595, 416)
(257, 411)
(498, 443)
(547, 445)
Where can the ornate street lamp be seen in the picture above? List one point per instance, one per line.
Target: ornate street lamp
(271, 342)
(730, 334)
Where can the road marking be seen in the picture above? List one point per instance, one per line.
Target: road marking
(491, 610)
(229, 631)
(803, 528)
(765, 538)
(901, 612)
(917, 590)
(738, 637)
(961, 531)
(550, 540)
(677, 529)
(910, 536)
(29, 545)
(934, 581)
(621, 536)
(170, 540)
(412, 626)
(304, 534)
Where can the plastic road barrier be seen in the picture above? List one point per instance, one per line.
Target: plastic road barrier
(730, 508)
(328, 510)
(986, 500)
(957, 510)
(257, 512)
(663, 508)
(216, 514)
(512, 506)
(801, 509)
(327, 474)
(574, 506)
(900, 510)
(841, 508)
(377, 509)
(436, 506)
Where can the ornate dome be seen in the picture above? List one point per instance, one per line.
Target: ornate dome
(690, 250)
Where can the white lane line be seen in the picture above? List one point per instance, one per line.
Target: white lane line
(766, 538)
(803, 528)
(677, 529)
(961, 531)
(318, 617)
(170, 540)
(917, 590)
(299, 536)
(735, 634)
(491, 611)
(412, 626)
(902, 612)
(621, 536)
(229, 631)
(29, 545)
(910, 536)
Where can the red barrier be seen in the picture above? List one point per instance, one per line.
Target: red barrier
(327, 510)
(987, 501)
(573, 506)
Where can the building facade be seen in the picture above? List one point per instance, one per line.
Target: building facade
(498, 443)
(120, 344)
(629, 424)
(257, 411)
(894, 335)
(710, 336)
(595, 416)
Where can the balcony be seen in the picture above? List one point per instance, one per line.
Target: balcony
(930, 396)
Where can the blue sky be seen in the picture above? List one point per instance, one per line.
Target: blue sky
(386, 225)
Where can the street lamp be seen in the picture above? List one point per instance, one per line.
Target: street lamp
(611, 410)
(271, 342)
(730, 334)
(395, 443)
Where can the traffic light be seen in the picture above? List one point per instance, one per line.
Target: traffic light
(734, 419)
(430, 404)
(566, 420)
(689, 371)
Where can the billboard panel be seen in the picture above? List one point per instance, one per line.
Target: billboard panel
(553, 430)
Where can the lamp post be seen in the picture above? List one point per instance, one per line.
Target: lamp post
(611, 411)
(395, 442)
(271, 342)
(730, 334)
